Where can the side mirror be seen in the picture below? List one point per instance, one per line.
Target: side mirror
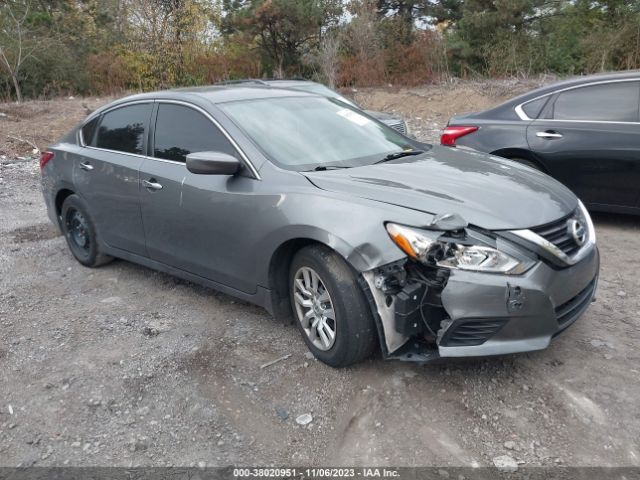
(212, 163)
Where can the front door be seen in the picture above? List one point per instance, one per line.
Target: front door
(589, 139)
(191, 221)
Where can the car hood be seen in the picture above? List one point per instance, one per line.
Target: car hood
(489, 192)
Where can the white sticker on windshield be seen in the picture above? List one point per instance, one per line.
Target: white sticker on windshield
(353, 117)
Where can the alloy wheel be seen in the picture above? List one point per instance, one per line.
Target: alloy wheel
(314, 308)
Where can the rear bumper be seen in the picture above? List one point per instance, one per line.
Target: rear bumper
(49, 200)
(497, 314)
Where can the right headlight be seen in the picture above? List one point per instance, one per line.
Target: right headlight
(427, 248)
(583, 215)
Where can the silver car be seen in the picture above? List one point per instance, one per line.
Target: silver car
(321, 214)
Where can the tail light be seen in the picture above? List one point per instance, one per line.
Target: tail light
(452, 133)
(45, 157)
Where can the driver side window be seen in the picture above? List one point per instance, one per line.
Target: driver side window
(181, 130)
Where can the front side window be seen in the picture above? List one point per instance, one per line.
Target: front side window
(123, 129)
(181, 130)
(614, 102)
(302, 133)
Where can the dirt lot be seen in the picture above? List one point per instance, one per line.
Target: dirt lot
(125, 366)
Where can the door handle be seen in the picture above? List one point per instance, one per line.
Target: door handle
(152, 184)
(86, 166)
(548, 135)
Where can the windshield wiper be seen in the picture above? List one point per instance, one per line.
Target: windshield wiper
(396, 155)
(321, 168)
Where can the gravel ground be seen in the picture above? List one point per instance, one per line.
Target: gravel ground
(125, 366)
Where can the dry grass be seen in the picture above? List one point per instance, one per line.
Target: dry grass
(41, 122)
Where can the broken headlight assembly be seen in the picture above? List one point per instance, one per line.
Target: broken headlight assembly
(461, 252)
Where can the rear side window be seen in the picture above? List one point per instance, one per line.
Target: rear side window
(533, 108)
(88, 131)
(614, 102)
(123, 129)
(182, 130)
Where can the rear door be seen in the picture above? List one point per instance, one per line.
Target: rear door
(588, 137)
(106, 174)
(194, 222)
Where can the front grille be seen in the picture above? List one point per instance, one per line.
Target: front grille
(568, 312)
(558, 233)
(468, 333)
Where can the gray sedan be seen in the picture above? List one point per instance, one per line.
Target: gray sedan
(324, 216)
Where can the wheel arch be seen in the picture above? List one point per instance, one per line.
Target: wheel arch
(61, 195)
(515, 153)
(277, 275)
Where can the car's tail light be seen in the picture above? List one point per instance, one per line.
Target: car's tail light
(45, 157)
(452, 133)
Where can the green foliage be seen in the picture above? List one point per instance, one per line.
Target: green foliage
(512, 37)
(56, 47)
(284, 30)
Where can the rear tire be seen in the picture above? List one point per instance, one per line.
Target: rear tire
(80, 232)
(334, 293)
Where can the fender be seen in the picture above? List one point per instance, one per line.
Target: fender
(361, 257)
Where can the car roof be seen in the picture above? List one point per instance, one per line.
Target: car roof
(505, 110)
(223, 93)
(290, 83)
(271, 82)
(215, 94)
(580, 80)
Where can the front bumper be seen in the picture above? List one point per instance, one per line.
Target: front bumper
(490, 314)
(531, 309)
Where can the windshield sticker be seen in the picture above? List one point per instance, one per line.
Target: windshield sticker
(353, 117)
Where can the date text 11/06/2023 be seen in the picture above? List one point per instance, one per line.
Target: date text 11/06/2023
(364, 473)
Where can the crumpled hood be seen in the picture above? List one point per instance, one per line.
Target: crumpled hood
(489, 192)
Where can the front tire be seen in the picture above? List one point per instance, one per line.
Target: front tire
(80, 232)
(330, 308)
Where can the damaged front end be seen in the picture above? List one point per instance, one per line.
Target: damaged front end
(406, 297)
(406, 302)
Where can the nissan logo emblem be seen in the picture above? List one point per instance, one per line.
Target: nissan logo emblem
(577, 231)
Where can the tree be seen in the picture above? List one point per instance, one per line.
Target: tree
(283, 29)
(168, 33)
(494, 37)
(328, 58)
(16, 42)
(402, 14)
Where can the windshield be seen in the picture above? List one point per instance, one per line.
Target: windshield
(320, 89)
(303, 133)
